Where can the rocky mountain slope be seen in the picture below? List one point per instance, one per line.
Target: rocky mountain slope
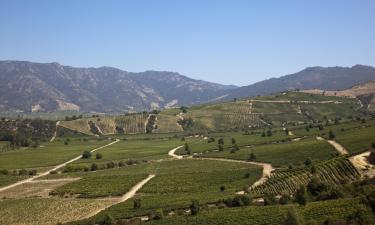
(324, 78)
(27, 86)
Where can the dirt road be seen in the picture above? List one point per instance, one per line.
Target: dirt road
(130, 194)
(360, 162)
(55, 134)
(173, 154)
(339, 148)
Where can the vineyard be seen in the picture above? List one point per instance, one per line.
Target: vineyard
(167, 124)
(91, 187)
(335, 171)
(106, 125)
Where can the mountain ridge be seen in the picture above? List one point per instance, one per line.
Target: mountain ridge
(27, 86)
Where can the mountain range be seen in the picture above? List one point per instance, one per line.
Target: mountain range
(27, 86)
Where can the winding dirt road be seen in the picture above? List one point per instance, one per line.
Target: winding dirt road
(173, 154)
(53, 169)
(339, 148)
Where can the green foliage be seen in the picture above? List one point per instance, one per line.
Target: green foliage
(86, 155)
(194, 207)
(293, 218)
(301, 196)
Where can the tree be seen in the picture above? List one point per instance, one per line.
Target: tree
(108, 220)
(98, 156)
(301, 196)
(94, 167)
(331, 134)
(220, 141)
(284, 199)
(86, 155)
(233, 141)
(269, 199)
(221, 147)
(187, 147)
(136, 203)
(293, 218)
(308, 162)
(269, 133)
(222, 188)
(194, 207)
(252, 156)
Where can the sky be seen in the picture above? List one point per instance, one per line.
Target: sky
(229, 42)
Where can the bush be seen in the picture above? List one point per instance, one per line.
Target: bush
(86, 155)
(301, 197)
(331, 134)
(222, 188)
(293, 218)
(220, 141)
(221, 147)
(98, 156)
(108, 220)
(94, 167)
(284, 199)
(136, 203)
(194, 207)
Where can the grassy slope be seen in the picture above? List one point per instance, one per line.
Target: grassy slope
(282, 154)
(48, 155)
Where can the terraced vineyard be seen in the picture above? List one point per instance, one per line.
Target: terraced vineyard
(335, 171)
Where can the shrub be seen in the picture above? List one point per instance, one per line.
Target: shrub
(194, 207)
(98, 156)
(293, 218)
(331, 134)
(136, 203)
(301, 196)
(222, 188)
(94, 167)
(86, 155)
(108, 220)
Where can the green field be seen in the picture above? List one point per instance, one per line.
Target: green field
(92, 187)
(134, 149)
(283, 154)
(49, 154)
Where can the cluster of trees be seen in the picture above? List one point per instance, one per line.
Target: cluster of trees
(22, 172)
(74, 117)
(102, 166)
(26, 133)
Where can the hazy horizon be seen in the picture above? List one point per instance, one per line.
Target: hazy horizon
(236, 42)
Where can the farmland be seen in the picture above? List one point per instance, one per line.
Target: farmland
(242, 161)
(41, 157)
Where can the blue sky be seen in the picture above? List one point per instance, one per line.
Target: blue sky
(229, 42)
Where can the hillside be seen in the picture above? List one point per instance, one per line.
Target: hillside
(325, 78)
(28, 86)
(273, 110)
(364, 92)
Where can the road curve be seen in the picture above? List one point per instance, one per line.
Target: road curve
(54, 168)
(267, 168)
(173, 154)
(339, 148)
